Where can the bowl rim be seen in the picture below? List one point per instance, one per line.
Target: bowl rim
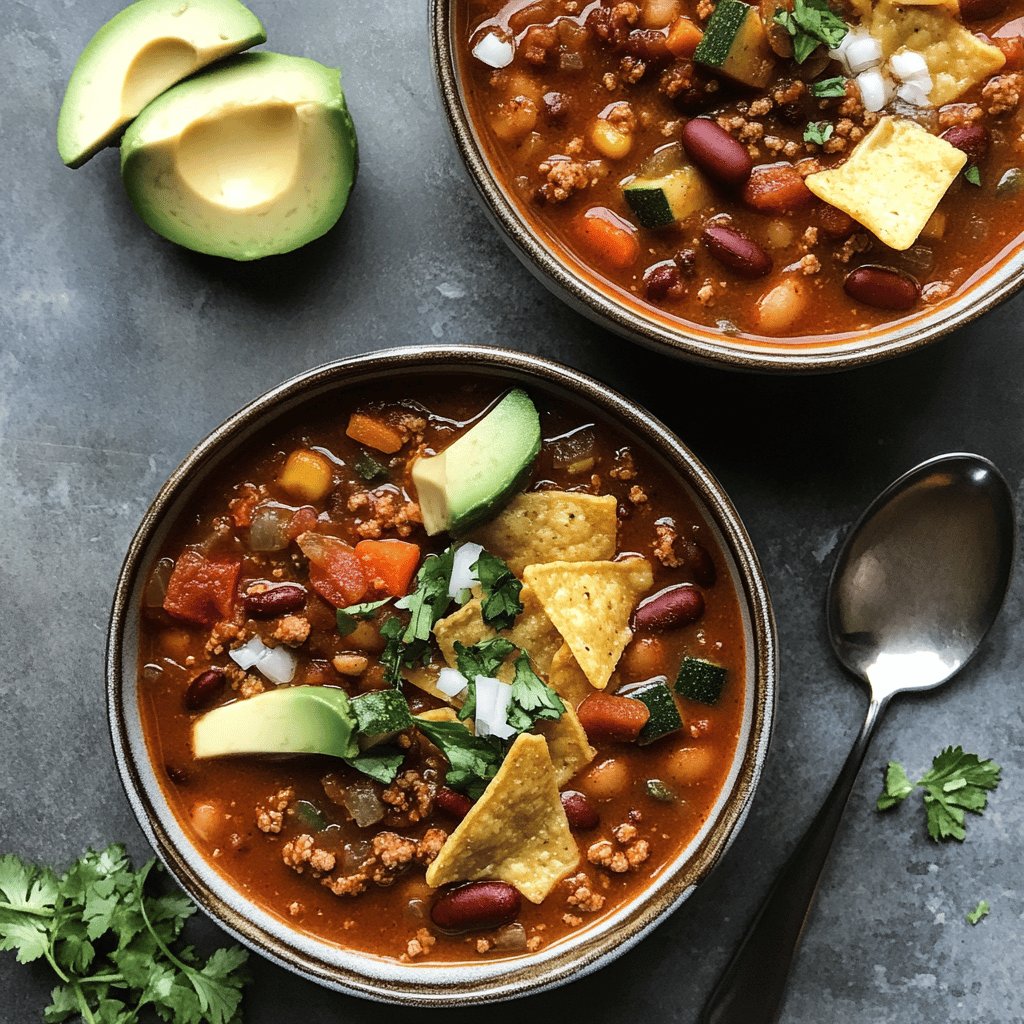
(995, 283)
(444, 985)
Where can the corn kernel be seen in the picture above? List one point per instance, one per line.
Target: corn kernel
(609, 141)
(306, 475)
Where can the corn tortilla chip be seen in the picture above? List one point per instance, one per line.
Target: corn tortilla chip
(893, 180)
(567, 679)
(551, 526)
(441, 715)
(590, 604)
(516, 832)
(531, 632)
(568, 747)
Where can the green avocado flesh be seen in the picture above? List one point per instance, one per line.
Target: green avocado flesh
(252, 158)
(291, 720)
(473, 477)
(139, 53)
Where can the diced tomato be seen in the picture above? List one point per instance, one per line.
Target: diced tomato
(1013, 51)
(335, 572)
(374, 433)
(608, 237)
(202, 590)
(241, 508)
(305, 518)
(776, 188)
(391, 561)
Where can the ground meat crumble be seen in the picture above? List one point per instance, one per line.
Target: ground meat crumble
(270, 816)
(383, 509)
(632, 852)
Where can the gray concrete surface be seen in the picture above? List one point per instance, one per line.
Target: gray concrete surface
(119, 351)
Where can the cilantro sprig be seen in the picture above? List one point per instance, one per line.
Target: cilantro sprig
(829, 88)
(113, 945)
(956, 782)
(811, 23)
(819, 132)
(472, 760)
(501, 589)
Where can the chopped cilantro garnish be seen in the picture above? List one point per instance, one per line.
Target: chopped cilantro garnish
(430, 600)
(819, 132)
(369, 468)
(381, 764)
(347, 618)
(114, 946)
(973, 174)
(955, 783)
(657, 790)
(484, 658)
(980, 911)
(829, 88)
(811, 23)
(501, 589)
(472, 760)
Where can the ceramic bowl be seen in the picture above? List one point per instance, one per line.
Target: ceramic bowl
(359, 973)
(581, 290)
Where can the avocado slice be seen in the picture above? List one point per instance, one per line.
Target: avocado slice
(140, 52)
(477, 474)
(251, 158)
(289, 720)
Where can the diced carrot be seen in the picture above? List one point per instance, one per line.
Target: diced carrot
(608, 237)
(391, 561)
(605, 716)
(776, 188)
(683, 38)
(201, 590)
(374, 433)
(335, 572)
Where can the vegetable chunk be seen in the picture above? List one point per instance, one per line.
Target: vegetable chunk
(893, 181)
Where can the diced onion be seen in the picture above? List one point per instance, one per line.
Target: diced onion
(915, 93)
(269, 528)
(451, 682)
(494, 51)
(361, 801)
(863, 53)
(841, 52)
(276, 663)
(492, 700)
(910, 66)
(874, 89)
(463, 576)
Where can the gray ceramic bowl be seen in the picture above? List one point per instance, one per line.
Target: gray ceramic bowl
(690, 341)
(358, 973)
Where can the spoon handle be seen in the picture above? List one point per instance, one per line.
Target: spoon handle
(751, 988)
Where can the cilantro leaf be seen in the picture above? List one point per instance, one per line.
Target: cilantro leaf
(369, 468)
(348, 618)
(430, 600)
(811, 23)
(381, 764)
(980, 911)
(973, 174)
(829, 88)
(897, 787)
(484, 658)
(501, 589)
(532, 698)
(819, 132)
(473, 760)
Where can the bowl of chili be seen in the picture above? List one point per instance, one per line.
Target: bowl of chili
(741, 185)
(293, 746)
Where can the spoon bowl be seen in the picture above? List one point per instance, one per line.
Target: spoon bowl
(922, 575)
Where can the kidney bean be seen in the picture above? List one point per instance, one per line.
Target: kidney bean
(778, 188)
(662, 279)
(579, 810)
(605, 717)
(204, 689)
(735, 251)
(449, 802)
(716, 152)
(673, 607)
(698, 562)
(834, 222)
(971, 139)
(976, 10)
(882, 288)
(276, 600)
(648, 44)
(476, 906)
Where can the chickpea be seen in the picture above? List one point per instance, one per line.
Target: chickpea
(514, 119)
(207, 819)
(658, 13)
(606, 780)
(176, 644)
(780, 307)
(690, 765)
(609, 141)
(643, 658)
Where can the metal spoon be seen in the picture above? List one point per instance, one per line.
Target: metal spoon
(917, 584)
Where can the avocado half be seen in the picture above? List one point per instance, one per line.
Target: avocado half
(252, 158)
(140, 52)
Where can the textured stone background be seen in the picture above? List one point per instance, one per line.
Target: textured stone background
(118, 352)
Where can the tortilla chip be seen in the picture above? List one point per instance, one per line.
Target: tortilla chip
(590, 604)
(516, 832)
(441, 715)
(893, 180)
(531, 632)
(568, 746)
(551, 526)
(567, 679)
(957, 59)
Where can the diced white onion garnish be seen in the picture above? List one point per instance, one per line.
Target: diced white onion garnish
(874, 89)
(492, 700)
(278, 664)
(915, 93)
(851, 37)
(494, 51)
(863, 53)
(463, 576)
(451, 682)
(910, 67)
